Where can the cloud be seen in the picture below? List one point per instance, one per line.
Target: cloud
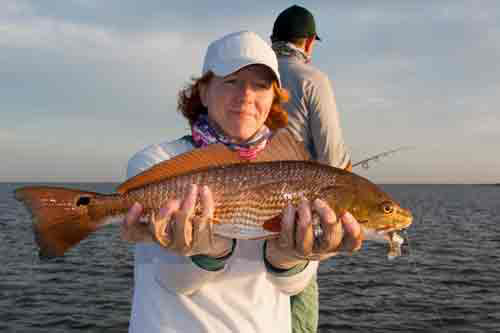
(483, 125)
(7, 136)
(84, 40)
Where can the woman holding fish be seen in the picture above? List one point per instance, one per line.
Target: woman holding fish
(224, 256)
(191, 279)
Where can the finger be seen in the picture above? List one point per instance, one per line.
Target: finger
(133, 214)
(131, 230)
(332, 230)
(183, 233)
(162, 224)
(182, 219)
(179, 216)
(286, 238)
(304, 239)
(207, 210)
(353, 237)
(183, 228)
(202, 232)
(189, 202)
(207, 203)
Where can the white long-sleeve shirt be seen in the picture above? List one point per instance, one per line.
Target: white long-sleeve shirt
(174, 294)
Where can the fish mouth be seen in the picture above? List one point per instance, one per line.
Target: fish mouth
(401, 220)
(405, 218)
(380, 230)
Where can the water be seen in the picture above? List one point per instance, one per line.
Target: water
(448, 281)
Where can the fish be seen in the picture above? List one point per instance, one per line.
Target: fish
(249, 196)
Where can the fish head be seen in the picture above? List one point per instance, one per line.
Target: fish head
(379, 215)
(374, 209)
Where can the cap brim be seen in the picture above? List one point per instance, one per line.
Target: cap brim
(230, 68)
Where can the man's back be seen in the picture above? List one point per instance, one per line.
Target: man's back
(312, 112)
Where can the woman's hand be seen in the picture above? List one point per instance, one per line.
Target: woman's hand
(134, 230)
(178, 229)
(297, 242)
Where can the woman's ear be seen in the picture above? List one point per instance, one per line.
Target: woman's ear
(203, 90)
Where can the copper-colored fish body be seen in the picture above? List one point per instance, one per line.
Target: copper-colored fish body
(249, 196)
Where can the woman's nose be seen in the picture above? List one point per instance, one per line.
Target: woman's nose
(245, 91)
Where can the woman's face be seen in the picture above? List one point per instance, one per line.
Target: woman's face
(240, 102)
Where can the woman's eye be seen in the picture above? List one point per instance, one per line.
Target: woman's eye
(263, 85)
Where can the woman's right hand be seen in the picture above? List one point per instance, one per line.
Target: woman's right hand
(177, 228)
(297, 242)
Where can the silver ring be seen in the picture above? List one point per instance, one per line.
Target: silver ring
(317, 231)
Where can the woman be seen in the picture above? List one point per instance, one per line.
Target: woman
(205, 283)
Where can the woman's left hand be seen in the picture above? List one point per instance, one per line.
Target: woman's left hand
(297, 242)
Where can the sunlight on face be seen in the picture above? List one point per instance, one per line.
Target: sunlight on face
(240, 102)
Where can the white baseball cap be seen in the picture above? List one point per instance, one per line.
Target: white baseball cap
(237, 50)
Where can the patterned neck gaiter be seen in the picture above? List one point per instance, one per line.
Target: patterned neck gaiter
(204, 133)
(288, 49)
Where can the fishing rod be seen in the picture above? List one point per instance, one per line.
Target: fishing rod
(375, 158)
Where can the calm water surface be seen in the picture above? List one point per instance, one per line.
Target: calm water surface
(448, 280)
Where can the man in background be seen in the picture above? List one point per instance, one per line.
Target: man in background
(312, 111)
(312, 118)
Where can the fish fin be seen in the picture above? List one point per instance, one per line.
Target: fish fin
(281, 146)
(273, 224)
(209, 156)
(62, 217)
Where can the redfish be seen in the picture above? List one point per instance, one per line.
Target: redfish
(249, 196)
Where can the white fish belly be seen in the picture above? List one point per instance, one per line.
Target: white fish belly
(240, 231)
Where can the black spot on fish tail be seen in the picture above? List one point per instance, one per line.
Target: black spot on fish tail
(83, 201)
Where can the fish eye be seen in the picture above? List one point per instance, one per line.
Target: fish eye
(387, 207)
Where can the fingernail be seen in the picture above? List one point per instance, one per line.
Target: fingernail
(204, 189)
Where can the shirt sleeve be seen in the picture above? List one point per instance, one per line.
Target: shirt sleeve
(325, 130)
(294, 283)
(291, 281)
(179, 274)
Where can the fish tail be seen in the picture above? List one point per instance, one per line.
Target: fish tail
(63, 217)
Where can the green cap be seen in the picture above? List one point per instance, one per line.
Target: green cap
(294, 22)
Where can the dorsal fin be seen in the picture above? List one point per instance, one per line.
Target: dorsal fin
(281, 146)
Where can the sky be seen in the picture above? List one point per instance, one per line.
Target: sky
(85, 84)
